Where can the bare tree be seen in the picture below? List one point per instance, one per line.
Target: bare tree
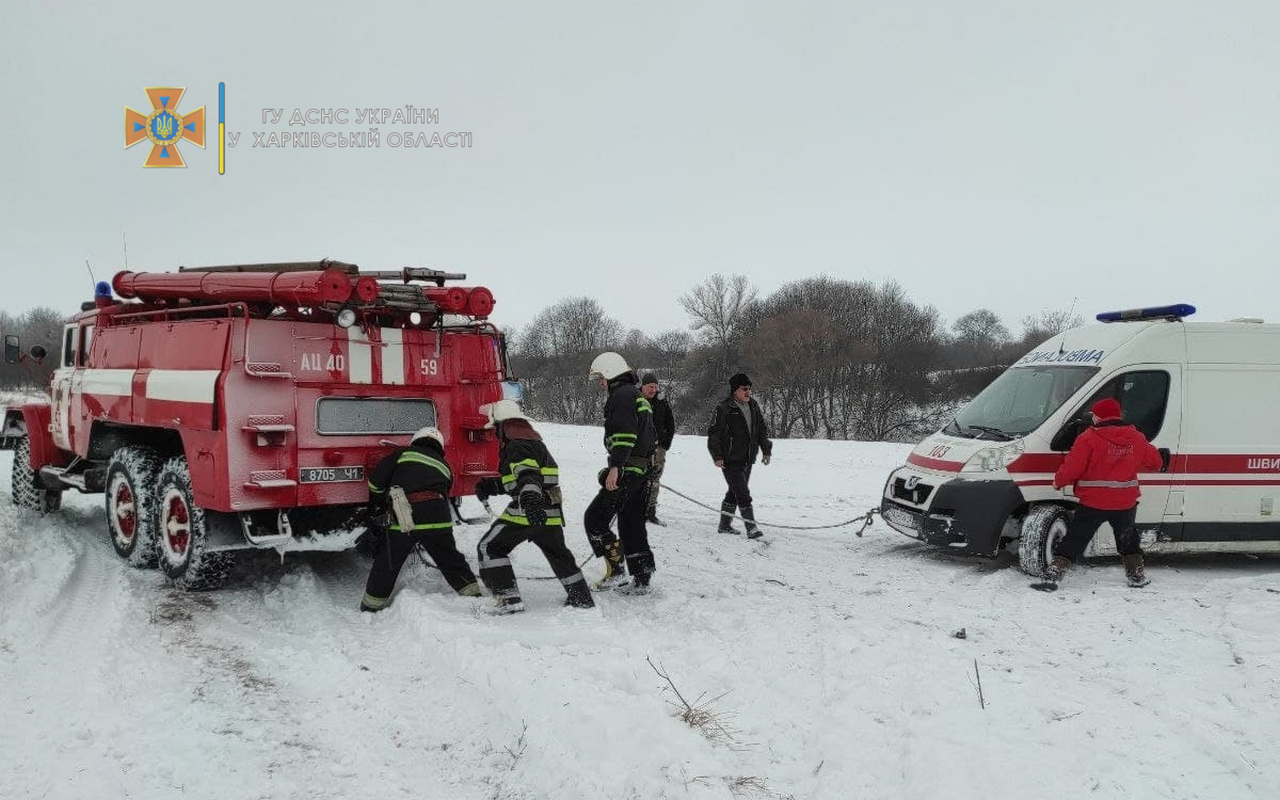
(553, 354)
(716, 307)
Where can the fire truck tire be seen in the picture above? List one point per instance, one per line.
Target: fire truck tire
(182, 533)
(27, 490)
(131, 504)
(1042, 528)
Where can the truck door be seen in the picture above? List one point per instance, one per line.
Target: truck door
(62, 388)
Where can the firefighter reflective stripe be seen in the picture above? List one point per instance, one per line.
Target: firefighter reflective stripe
(573, 579)
(636, 470)
(374, 489)
(517, 516)
(425, 526)
(627, 440)
(375, 603)
(642, 405)
(411, 457)
(550, 475)
(1108, 484)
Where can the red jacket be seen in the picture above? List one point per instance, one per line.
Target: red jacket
(1104, 463)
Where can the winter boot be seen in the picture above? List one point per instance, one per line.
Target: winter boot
(1057, 568)
(615, 569)
(511, 604)
(642, 568)
(1134, 571)
(470, 590)
(579, 596)
(652, 519)
(749, 516)
(726, 518)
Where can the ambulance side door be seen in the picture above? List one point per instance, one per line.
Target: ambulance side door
(1151, 398)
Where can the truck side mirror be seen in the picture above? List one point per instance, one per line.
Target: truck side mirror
(11, 349)
(38, 353)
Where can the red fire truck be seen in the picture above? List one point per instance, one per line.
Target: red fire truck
(234, 407)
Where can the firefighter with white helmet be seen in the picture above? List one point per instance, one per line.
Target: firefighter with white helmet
(629, 440)
(532, 479)
(412, 483)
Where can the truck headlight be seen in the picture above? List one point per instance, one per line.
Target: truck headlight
(990, 459)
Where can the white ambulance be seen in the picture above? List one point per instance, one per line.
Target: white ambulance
(1206, 394)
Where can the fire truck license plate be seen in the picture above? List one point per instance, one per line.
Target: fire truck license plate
(331, 474)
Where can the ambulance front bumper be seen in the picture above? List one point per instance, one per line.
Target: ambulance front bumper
(962, 515)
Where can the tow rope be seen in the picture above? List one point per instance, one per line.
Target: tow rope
(865, 519)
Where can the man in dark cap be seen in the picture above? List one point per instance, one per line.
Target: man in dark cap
(664, 425)
(1103, 466)
(738, 432)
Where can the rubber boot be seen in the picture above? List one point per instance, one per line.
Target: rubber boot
(615, 568)
(1057, 568)
(1134, 570)
(749, 516)
(726, 518)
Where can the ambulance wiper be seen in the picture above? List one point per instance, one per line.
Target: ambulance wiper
(993, 431)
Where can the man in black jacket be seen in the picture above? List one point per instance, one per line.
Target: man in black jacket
(624, 484)
(412, 484)
(530, 476)
(737, 433)
(664, 425)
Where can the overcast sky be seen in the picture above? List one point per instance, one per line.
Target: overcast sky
(1002, 154)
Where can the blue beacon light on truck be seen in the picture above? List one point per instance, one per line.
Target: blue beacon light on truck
(1175, 311)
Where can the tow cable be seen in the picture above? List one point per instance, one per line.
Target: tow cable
(865, 519)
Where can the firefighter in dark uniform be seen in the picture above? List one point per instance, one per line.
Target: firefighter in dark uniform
(532, 479)
(629, 440)
(412, 486)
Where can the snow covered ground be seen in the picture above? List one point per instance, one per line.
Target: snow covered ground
(830, 660)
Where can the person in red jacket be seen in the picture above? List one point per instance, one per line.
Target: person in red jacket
(1103, 468)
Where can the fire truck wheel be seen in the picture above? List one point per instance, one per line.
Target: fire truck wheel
(27, 490)
(1042, 528)
(131, 503)
(182, 535)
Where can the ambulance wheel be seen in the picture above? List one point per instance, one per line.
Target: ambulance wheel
(182, 533)
(28, 491)
(1042, 528)
(131, 504)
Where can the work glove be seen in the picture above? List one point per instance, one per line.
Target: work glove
(486, 488)
(535, 508)
(765, 459)
(601, 475)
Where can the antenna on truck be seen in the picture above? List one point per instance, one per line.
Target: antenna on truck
(92, 279)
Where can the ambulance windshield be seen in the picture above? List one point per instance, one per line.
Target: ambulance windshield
(1018, 401)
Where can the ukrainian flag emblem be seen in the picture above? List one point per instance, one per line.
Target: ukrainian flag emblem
(164, 127)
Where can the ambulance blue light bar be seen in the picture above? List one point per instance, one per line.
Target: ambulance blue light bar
(1175, 311)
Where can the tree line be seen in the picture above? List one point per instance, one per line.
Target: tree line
(39, 326)
(829, 358)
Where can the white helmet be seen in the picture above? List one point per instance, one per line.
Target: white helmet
(608, 366)
(429, 432)
(501, 411)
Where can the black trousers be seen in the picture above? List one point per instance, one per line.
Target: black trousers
(629, 503)
(495, 548)
(396, 547)
(738, 476)
(1085, 523)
